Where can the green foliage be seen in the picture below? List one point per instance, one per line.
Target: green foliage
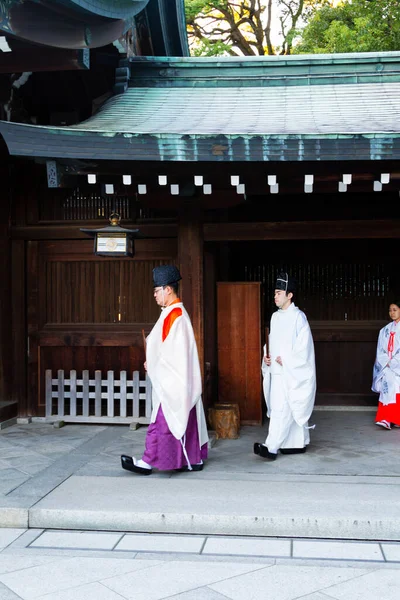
(209, 48)
(193, 8)
(352, 26)
(245, 27)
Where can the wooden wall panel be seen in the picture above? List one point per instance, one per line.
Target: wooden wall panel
(239, 348)
(98, 291)
(345, 354)
(84, 312)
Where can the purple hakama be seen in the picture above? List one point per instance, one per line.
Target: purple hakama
(164, 452)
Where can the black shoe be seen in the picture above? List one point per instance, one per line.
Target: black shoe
(185, 469)
(256, 448)
(263, 451)
(128, 464)
(293, 450)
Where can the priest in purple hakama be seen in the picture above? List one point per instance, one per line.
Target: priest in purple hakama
(177, 436)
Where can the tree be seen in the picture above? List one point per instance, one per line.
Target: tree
(245, 27)
(352, 26)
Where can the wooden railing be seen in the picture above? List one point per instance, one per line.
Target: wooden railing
(85, 400)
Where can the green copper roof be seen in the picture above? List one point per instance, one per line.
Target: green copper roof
(302, 110)
(265, 71)
(342, 107)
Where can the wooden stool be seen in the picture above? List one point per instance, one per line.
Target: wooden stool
(225, 420)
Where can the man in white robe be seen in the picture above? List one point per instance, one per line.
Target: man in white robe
(289, 376)
(177, 435)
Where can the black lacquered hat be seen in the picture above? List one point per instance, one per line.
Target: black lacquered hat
(285, 282)
(165, 275)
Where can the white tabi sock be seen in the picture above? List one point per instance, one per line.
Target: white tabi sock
(141, 463)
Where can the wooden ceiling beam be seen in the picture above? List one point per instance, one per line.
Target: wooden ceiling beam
(252, 231)
(43, 59)
(302, 230)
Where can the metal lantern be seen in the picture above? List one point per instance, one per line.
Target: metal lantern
(114, 240)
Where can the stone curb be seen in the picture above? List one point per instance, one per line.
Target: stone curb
(217, 524)
(14, 517)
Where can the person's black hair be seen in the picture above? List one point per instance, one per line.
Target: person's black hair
(174, 287)
(396, 302)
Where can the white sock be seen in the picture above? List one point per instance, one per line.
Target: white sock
(141, 463)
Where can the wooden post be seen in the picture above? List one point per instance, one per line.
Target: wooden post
(49, 389)
(72, 396)
(148, 404)
(97, 393)
(32, 325)
(6, 359)
(110, 393)
(19, 338)
(136, 394)
(60, 392)
(190, 253)
(122, 392)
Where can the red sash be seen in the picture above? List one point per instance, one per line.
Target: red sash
(391, 343)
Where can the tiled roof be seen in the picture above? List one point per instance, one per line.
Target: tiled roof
(252, 110)
(302, 110)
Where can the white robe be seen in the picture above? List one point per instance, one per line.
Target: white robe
(174, 370)
(291, 397)
(386, 373)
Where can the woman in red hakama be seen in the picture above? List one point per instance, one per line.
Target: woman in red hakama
(386, 375)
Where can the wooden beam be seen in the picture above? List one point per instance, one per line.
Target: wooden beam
(190, 254)
(303, 230)
(55, 231)
(44, 59)
(217, 232)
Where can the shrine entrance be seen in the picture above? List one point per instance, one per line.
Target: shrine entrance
(344, 287)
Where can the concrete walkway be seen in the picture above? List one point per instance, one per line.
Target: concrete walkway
(76, 565)
(344, 487)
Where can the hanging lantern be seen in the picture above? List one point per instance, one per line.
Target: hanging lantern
(114, 240)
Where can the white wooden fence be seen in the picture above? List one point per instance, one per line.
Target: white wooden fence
(98, 400)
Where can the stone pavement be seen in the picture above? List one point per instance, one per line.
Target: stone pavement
(344, 487)
(79, 565)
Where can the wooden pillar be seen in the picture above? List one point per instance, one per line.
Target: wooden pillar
(210, 394)
(5, 306)
(32, 327)
(18, 317)
(8, 409)
(190, 255)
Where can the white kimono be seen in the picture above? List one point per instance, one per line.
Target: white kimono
(386, 373)
(174, 370)
(289, 389)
